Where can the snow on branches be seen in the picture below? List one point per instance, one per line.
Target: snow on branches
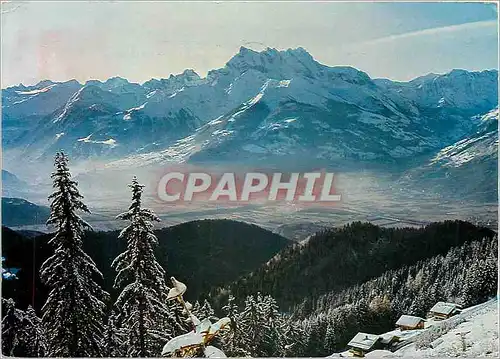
(22, 332)
(143, 316)
(73, 313)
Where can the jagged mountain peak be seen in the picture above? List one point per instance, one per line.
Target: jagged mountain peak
(117, 81)
(270, 59)
(454, 74)
(288, 64)
(72, 82)
(190, 72)
(92, 82)
(187, 75)
(44, 83)
(271, 51)
(474, 91)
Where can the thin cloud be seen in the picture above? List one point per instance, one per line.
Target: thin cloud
(433, 31)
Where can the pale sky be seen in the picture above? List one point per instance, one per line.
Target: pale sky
(144, 40)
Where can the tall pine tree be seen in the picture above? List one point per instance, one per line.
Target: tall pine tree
(74, 311)
(143, 315)
(233, 342)
(13, 332)
(34, 334)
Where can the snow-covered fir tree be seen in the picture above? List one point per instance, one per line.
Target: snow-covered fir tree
(329, 344)
(207, 312)
(35, 335)
(74, 310)
(143, 315)
(12, 328)
(22, 332)
(260, 329)
(233, 341)
(294, 337)
(281, 338)
(273, 340)
(480, 281)
(196, 310)
(113, 338)
(250, 325)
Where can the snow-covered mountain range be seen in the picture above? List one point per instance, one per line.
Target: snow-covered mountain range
(268, 105)
(468, 168)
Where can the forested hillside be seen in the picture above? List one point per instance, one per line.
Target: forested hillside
(466, 274)
(375, 275)
(338, 258)
(204, 253)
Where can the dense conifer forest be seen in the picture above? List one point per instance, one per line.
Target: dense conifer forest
(338, 258)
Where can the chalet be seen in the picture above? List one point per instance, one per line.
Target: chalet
(443, 310)
(388, 340)
(409, 322)
(362, 343)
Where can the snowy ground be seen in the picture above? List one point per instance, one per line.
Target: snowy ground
(472, 334)
(476, 337)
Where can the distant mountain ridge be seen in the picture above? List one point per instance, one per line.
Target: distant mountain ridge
(19, 212)
(472, 161)
(259, 106)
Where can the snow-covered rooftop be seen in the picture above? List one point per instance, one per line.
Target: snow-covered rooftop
(363, 341)
(409, 320)
(444, 308)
